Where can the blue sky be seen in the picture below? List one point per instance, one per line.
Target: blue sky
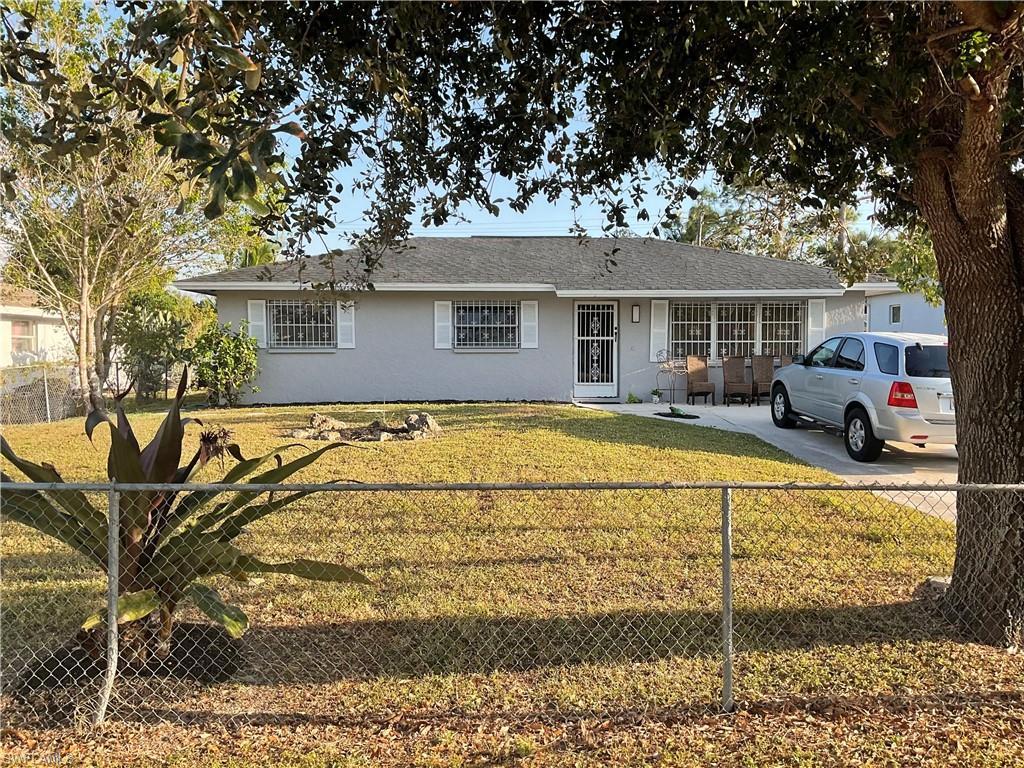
(541, 218)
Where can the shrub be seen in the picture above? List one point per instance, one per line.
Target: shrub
(225, 363)
(171, 542)
(154, 329)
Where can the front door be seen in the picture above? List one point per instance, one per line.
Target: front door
(596, 353)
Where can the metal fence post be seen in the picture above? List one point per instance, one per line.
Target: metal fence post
(113, 570)
(46, 394)
(728, 701)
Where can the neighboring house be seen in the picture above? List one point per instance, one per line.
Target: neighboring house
(523, 318)
(889, 309)
(29, 334)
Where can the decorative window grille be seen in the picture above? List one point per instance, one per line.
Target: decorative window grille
(485, 324)
(782, 328)
(689, 329)
(23, 336)
(737, 329)
(296, 324)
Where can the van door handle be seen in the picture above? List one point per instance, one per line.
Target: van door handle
(818, 376)
(854, 381)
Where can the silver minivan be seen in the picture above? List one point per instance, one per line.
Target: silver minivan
(875, 387)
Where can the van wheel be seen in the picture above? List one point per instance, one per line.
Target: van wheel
(782, 414)
(861, 443)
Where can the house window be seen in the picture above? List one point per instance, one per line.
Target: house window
(895, 314)
(23, 336)
(485, 325)
(301, 324)
(737, 329)
(690, 329)
(782, 328)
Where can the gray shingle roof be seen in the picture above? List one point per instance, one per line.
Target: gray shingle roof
(598, 264)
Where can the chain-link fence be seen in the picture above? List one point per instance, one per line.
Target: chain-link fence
(288, 602)
(30, 394)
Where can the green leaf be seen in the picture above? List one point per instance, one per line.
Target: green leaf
(233, 57)
(130, 607)
(74, 503)
(209, 602)
(252, 77)
(293, 128)
(34, 509)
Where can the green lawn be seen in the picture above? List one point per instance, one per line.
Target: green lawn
(550, 628)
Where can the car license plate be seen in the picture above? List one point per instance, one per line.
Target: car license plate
(946, 405)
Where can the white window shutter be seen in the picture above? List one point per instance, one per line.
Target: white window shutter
(815, 323)
(659, 327)
(442, 325)
(346, 332)
(528, 324)
(257, 313)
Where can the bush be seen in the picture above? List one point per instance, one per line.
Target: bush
(155, 329)
(225, 362)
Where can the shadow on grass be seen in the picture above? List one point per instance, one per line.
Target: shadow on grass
(406, 648)
(398, 651)
(412, 724)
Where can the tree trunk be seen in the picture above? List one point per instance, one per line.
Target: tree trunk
(979, 248)
(84, 327)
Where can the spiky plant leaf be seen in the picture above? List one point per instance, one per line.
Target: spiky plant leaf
(130, 607)
(231, 617)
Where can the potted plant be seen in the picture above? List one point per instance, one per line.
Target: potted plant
(655, 396)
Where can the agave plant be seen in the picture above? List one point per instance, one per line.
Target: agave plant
(170, 541)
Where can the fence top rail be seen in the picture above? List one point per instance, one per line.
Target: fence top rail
(350, 486)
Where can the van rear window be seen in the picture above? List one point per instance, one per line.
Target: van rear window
(888, 357)
(928, 361)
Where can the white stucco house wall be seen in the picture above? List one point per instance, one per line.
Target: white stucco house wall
(523, 318)
(890, 309)
(29, 334)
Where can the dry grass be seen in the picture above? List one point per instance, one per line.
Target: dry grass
(557, 628)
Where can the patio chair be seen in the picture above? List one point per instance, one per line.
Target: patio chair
(785, 360)
(762, 368)
(736, 384)
(697, 382)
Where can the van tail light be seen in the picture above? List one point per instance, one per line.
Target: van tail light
(901, 395)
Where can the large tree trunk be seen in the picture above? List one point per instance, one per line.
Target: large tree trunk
(975, 212)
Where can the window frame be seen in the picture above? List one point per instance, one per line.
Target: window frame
(899, 314)
(700, 347)
(809, 360)
(32, 336)
(762, 328)
(327, 329)
(496, 328)
(858, 363)
(878, 360)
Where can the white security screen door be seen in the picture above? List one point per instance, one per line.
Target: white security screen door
(596, 349)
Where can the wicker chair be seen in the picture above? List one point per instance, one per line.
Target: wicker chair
(785, 360)
(762, 368)
(736, 384)
(697, 382)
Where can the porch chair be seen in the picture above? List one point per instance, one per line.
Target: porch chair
(762, 368)
(785, 360)
(697, 382)
(736, 384)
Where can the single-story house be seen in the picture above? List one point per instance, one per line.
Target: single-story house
(890, 309)
(28, 333)
(523, 318)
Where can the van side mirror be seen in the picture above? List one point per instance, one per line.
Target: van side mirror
(799, 360)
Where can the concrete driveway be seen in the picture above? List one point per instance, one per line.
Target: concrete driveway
(897, 465)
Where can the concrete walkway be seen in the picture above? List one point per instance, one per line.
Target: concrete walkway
(898, 464)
